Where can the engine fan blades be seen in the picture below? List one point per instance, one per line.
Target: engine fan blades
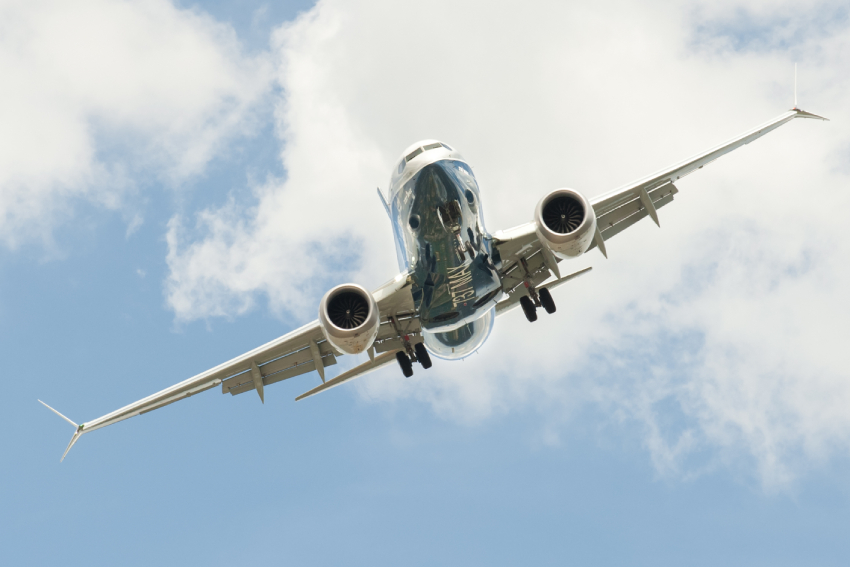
(348, 310)
(563, 215)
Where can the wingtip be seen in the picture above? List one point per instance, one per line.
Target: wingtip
(80, 429)
(60, 415)
(803, 114)
(77, 435)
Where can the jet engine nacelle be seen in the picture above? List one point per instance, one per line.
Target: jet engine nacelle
(566, 222)
(349, 317)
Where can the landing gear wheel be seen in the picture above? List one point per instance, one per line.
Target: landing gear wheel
(528, 308)
(404, 362)
(422, 355)
(546, 300)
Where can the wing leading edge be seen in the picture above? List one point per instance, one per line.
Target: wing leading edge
(621, 208)
(298, 352)
(615, 211)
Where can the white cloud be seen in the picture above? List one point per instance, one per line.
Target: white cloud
(721, 331)
(100, 95)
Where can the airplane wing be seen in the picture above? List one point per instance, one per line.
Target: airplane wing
(615, 212)
(302, 351)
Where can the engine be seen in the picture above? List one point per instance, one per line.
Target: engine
(566, 222)
(349, 318)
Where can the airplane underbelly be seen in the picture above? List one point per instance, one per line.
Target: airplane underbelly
(438, 212)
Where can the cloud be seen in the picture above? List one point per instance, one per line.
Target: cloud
(719, 336)
(102, 96)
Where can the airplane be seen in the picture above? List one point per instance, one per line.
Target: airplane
(455, 277)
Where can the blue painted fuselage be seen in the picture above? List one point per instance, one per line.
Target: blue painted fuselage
(435, 207)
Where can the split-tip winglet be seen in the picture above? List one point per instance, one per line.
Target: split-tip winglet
(77, 433)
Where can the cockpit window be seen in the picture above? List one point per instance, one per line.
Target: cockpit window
(401, 166)
(418, 151)
(448, 147)
(413, 154)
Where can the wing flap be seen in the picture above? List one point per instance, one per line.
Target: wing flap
(280, 369)
(617, 220)
(614, 216)
(277, 360)
(629, 221)
(206, 380)
(245, 383)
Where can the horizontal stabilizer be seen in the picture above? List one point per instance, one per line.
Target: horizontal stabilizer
(366, 367)
(559, 282)
(512, 301)
(384, 203)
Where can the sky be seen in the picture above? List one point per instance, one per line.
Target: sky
(182, 181)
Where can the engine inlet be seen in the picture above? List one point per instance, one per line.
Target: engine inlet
(348, 310)
(563, 214)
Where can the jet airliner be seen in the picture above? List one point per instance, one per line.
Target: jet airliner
(455, 277)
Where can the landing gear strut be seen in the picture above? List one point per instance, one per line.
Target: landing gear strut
(420, 355)
(411, 353)
(535, 298)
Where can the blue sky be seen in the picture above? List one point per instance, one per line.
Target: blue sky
(688, 404)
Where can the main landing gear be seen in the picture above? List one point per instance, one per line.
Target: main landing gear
(411, 353)
(420, 355)
(529, 305)
(535, 298)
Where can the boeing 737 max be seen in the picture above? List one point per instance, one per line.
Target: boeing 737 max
(455, 277)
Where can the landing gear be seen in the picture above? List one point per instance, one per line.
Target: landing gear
(404, 362)
(411, 352)
(543, 299)
(528, 308)
(422, 355)
(546, 300)
(536, 297)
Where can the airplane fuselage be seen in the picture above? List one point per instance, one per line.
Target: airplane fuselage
(438, 224)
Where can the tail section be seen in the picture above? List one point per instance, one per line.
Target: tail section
(77, 434)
